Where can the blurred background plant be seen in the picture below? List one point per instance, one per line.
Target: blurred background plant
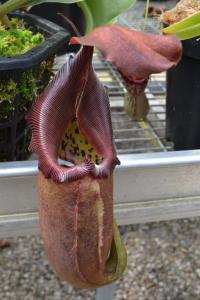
(96, 12)
(183, 19)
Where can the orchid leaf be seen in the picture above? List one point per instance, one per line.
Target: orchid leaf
(135, 54)
(104, 11)
(185, 29)
(35, 2)
(100, 11)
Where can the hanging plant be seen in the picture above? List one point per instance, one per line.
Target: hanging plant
(144, 54)
(67, 122)
(71, 120)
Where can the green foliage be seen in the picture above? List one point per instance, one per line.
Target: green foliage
(17, 40)
(103, 12)
(44, 73)
(8, 92)
(185, 29)
(97, 12)
(17, 23)
(35, 2)
(26, 89)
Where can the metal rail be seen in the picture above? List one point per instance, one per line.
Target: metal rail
(148, 187)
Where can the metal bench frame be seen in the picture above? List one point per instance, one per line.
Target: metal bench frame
(148, 187)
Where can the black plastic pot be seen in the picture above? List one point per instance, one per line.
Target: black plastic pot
(183, 99)
(14, 132)
(55, 37)
(72, 11)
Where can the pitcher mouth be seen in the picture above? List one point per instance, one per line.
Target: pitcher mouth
(71, 120)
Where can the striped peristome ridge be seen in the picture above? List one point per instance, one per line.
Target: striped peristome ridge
(74, 94)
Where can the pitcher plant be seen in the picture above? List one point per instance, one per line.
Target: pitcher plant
(71, 120)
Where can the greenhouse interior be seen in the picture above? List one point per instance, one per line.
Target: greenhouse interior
(99, 150)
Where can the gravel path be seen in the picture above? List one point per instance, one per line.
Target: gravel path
(163, 263)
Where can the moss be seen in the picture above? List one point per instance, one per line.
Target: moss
(44, 72)
(17, 92)
(26, 89)
(29, 86)
(18, 39)
(8, 92)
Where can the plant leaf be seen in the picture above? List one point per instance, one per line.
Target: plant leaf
(35, 2)
(104, 11)
(96, 12)
(135, 54)
(185, 29)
